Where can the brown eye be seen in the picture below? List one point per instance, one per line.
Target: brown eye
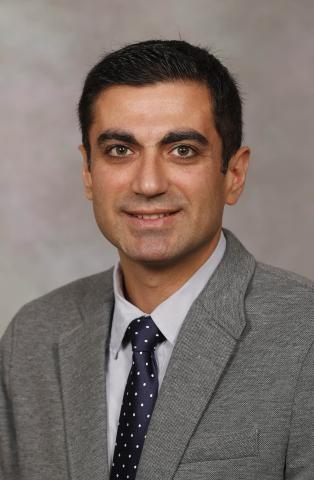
(184, 151)
(119, 151)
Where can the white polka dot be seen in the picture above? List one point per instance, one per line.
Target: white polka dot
(138, 373)
(134, 466)
(138, 319)
(141, 353)
(139, 425)
(147, 326)
(129, 455)
(125, 444)
(137, 446)
(133, 414)
(130, 403)
(123, 466)
(145, 340)
(144, 384)
(131, 435)
(152, 375)
(136, 333)
(121, 434)
(142, 404)
(135, 393)
(148, 416)
(157, 334)
(146, 363)
(150, 394)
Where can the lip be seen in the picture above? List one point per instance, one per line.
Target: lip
(152, 212)
(170, 216)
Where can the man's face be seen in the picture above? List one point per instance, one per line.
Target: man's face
(155, 181)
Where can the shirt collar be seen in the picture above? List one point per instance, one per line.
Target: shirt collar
(170, 314)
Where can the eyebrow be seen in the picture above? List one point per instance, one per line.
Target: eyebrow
(180, 135)
(119, 135)
(170, 137)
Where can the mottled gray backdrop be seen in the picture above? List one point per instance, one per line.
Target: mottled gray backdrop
(48, 233)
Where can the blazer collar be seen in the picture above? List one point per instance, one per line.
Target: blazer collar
(223, 296)
(204, 345)
(82, 361)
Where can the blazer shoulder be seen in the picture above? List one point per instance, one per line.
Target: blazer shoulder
(74, 291)
(280, 279)
(59, 309)
(280, 297)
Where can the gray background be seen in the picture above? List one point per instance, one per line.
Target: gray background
(48, 233)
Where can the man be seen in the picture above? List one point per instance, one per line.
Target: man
(189, 359)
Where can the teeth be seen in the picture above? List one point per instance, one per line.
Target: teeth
(153, 217)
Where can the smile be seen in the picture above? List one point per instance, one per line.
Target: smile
(151, 216)
(153, 219)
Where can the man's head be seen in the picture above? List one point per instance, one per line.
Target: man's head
(153, 154)
(154, 61)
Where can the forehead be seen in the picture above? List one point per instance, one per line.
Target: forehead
(154, 108)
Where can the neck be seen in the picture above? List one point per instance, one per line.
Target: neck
(147, 286)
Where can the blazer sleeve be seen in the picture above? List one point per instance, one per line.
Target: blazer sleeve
(300, 452)
(8, 446)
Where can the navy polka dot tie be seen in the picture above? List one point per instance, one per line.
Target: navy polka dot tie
(139, 398)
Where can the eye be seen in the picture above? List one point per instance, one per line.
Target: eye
(184, 151)
(119, 151)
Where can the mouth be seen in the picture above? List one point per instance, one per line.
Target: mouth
(143, 219)
(151, 216)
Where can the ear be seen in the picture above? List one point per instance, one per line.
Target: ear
(236, 175)
(86, 174)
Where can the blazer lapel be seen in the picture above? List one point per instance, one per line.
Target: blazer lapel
(204, 346)
(82, 358)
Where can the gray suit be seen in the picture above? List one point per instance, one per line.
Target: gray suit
(237, 400)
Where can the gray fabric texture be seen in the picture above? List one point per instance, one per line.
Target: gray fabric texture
(236, 402)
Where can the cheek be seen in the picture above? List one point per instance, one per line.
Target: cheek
(103, 186)
(203, 190)
(109, 182)
(102, 202)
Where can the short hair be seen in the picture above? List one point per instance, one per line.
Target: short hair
(154, 61)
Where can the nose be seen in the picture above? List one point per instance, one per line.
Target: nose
(150, 177)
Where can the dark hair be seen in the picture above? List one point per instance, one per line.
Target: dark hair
(155, 61)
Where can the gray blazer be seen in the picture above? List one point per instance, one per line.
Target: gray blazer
(236, 403)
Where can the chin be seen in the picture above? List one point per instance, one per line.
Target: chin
(155, 259)
(150, 258)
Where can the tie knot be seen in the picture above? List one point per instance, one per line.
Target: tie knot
(144, 334)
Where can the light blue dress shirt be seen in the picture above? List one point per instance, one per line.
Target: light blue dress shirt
(168, 316)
